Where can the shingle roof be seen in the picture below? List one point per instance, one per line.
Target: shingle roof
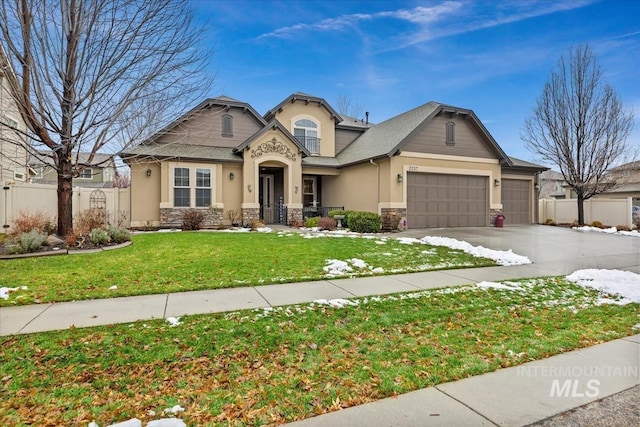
(331, 162)
(384, 138)
(387, 138)
(517, 163)
(182, 151)
(99, 160)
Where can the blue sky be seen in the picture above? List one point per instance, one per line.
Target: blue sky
(492, 57)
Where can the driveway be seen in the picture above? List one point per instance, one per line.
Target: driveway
(556, 250)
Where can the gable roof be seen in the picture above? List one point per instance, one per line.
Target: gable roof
(223, 101)
(387, 138)
(273, 125)
(524, 165)
(300, 96)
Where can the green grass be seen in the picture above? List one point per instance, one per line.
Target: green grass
(185, 261)
(265, 367)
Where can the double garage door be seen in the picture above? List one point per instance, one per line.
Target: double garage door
(438, 200)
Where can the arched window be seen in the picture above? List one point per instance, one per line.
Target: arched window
(451, 133)
(227, 125)
(306, 132)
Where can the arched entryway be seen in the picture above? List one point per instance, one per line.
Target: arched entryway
(271, 195)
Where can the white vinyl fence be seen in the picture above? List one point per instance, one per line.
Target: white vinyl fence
(32, 198)
(611, 212)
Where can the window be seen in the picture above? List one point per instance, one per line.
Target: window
(309, 195)
(451, 133)
(87, 173)
(306, 132)
(18, 176)
(203, 187)
(8, 121)
(227, 125)
(181, 188)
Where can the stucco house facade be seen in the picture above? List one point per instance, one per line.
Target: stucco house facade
(99, 173)
(435, 166)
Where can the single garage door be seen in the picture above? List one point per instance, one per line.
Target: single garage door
(438, 200)
(516, 201)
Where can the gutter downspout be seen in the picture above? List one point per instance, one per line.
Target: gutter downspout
(377, 184)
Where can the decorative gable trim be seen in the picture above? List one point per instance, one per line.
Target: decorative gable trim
(273, 146)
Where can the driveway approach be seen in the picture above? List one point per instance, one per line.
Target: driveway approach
(553, 250)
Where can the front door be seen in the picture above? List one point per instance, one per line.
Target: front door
(267, 205)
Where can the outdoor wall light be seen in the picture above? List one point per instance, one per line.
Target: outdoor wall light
(148, 172)
(231, 176)
(496, 182)
(249, 188)
(295, 189)
(400, 177)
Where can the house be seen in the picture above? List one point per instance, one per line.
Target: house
(99, 173)
(553, 186)
(627, 177)
(13, 131)
(435, 166)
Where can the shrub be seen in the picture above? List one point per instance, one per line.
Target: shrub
(623, 228)
(597, 224)
(254, 224)
(118, 234)
(364, 222)
(575, 223)
(192, 220)
(296, 223)
(234, 216)
(549, 221)
(312, 222)
(72, 239)
(327, 223)
(32, 241)
(89, 219)
(99, 236)
(26, 222)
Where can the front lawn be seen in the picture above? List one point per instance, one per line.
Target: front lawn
(265, 367)
(186, 261)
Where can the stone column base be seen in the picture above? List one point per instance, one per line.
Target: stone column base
(249, 214)
(493, 213)
(294, 216)
(391, 217)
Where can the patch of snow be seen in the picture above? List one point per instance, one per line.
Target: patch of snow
(4, 291)
(626, 284)
(500, 257)
(113, 288)
(167, 422)
(264, 230)
(509, 286)
(358, 263)
(174, 410)
(611, 230)
(337, 303)
(335, 267)
(173, 321)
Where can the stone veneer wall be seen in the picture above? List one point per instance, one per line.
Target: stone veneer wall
(493, 213)
(391, 217)
(294, 215)
(249, 214)
(172, 217)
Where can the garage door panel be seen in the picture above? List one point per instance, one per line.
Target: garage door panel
(447, 200)
(516, 201)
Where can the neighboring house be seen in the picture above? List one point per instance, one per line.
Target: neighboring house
(627, 177)
(435, 165)
(13, 154)
(100, 173)
(553, 186)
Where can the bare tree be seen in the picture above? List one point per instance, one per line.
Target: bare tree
(344, 106)
(97, 75)
(579, 124)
